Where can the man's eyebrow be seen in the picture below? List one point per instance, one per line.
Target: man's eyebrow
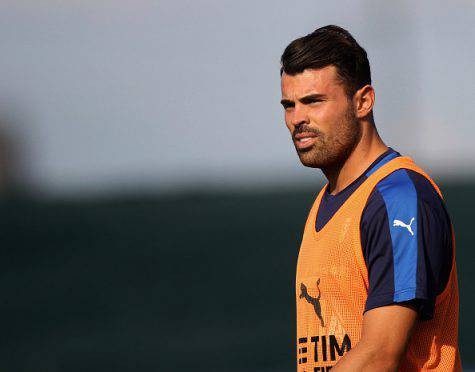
(305, 99)
(286, 102)
(312, 97)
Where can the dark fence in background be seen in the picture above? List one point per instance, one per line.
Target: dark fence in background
(186, 283)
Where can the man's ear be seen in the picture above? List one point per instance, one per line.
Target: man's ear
(363, 101)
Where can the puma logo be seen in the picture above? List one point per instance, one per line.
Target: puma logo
(312, 300)
(402, 224)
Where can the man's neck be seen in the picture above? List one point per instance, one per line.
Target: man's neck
(368, 149)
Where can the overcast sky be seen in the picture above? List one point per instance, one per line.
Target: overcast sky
(119, 95)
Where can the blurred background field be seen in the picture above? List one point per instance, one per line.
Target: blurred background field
(151, 201)
(191, 282)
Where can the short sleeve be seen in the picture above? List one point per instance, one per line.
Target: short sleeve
(406, 238)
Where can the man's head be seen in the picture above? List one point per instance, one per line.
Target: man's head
(326, 93)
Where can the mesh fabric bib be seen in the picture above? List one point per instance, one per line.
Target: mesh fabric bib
(332, 287)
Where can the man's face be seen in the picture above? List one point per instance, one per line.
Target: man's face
(319, 116)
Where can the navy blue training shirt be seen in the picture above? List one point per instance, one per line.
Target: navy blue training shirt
(412, 266)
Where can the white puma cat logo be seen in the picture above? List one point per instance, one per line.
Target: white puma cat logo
(402, 224)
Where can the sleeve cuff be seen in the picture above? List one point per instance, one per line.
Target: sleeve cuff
(421, 304)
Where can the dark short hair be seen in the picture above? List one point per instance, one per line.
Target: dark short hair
(326, 46)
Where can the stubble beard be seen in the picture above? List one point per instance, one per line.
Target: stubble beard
(332, 151)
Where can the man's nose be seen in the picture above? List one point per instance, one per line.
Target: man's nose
(299, 116)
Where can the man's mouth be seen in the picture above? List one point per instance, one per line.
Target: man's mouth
(304, 140)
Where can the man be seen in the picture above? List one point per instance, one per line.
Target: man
(376, 280)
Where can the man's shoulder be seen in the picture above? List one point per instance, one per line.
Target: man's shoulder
(405, 184)
(403, 191)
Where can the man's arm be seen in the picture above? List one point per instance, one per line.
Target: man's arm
(388, 320)
(384, 339)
